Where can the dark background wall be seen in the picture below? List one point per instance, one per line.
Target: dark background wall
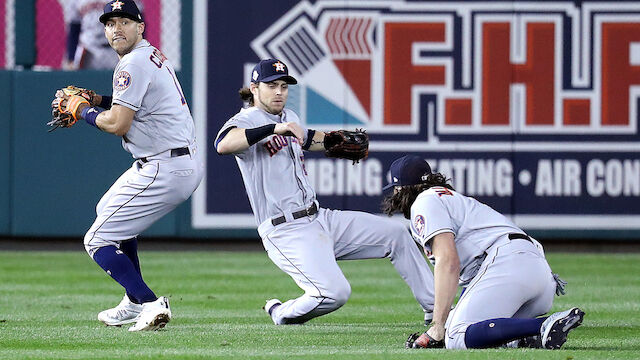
(51, 182)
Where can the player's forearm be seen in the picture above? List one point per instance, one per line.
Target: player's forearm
(446, 274)
(116, 121)
(234, 141)
(107, 122)
(317, 143)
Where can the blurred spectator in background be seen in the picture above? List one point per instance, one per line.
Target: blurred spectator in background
(87, 47)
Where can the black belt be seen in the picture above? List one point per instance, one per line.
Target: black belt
(514, 236)
(174, 153)
(311, 210)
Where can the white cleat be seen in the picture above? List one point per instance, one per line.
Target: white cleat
(555, 329)
(270, 306)
(125, 313)
(155, 315)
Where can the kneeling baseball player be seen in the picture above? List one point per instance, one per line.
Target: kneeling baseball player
(507, 280)
(301, 238)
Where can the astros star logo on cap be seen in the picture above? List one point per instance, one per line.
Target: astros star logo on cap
(279, 66)
(117, 5)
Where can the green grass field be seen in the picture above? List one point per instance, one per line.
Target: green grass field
(49, 302)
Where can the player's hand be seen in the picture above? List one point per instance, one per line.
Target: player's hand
(290, 129)
(436, 331)
(423, 341)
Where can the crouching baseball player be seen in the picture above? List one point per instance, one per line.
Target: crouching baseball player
(507, 280)
(149, 112)
(301, 238)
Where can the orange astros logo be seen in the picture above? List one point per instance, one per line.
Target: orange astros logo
(117, 5)
(279, 66)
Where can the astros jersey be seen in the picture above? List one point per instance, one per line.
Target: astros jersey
(475, 225)
(274, 183)
(144, 81)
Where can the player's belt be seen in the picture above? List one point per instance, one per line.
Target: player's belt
(514, 236)
(311, 210)
(174, 153)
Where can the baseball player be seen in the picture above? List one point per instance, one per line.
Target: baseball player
(301, 238)
(149, 112)
(87, 47)
(506, 277)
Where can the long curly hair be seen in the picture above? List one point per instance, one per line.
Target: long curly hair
(402, 199)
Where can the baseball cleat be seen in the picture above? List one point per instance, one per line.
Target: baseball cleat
(125, 313)
(555, 329)
(155, 315)
(270, 306)
(526, 342)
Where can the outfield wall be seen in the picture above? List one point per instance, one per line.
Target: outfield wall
(531, 107)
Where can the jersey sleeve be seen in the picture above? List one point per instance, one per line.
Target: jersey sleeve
(130, 84)
(429, 217)
(240, 120)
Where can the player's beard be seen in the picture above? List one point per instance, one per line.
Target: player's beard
(270, 109)
(124, 51)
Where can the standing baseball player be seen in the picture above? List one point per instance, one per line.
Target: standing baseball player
(149, 112)
(301, 238)
(506, 277)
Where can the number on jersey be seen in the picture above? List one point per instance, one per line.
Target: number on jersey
(442, 191)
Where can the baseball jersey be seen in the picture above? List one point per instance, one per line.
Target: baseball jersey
(145, 82)
(475, 226)
(272, 169)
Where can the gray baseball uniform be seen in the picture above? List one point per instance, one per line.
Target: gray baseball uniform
(505, 272)
(307, 247)
(168, 168)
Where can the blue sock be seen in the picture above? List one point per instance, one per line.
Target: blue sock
(122, 270)
(130, 248)
(495, 332)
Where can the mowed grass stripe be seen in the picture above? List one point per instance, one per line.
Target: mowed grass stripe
(49, 302)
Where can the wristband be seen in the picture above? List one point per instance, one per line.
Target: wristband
(256, 134)
(106, 102)
(310, 135)
(89, 114)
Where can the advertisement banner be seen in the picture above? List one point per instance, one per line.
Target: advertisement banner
(530, 107)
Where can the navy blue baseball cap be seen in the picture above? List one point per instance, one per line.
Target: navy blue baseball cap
(270, 70)
(408, 170)
(122, 8)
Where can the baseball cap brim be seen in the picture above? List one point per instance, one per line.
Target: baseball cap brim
(107, 16)
(389, 186)
(287, 78)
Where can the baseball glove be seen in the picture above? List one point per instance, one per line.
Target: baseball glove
(65, 106)
(424, 341)
(345, 144)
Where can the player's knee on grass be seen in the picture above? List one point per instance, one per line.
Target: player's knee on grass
(454, 338)
(339, 293)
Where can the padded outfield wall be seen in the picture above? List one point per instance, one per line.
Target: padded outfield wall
(531, 107)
